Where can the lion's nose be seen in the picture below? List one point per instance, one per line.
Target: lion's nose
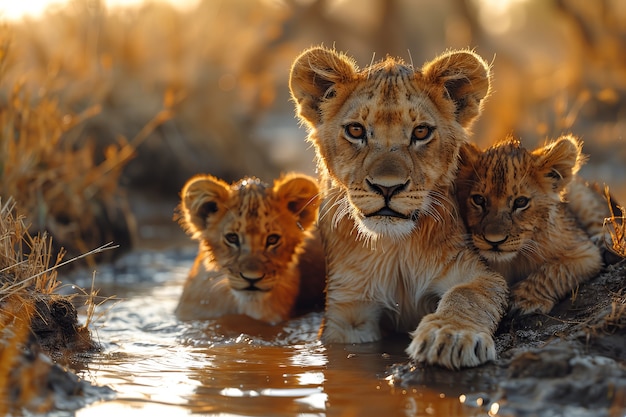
(252, 278)
(387, 191)
(495, 239)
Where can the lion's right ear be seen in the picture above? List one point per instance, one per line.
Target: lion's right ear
(313, 75)
(559, 161)
(201, 197)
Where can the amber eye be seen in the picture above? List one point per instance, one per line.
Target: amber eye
(232, 238)
(422, 132)
(520, 203)
(272, 240)
(478, 199)
(355, 131)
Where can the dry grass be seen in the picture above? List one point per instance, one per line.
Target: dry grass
(616, 225)
(57, 177)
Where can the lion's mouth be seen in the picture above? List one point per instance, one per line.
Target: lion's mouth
(253, 288)
(388, 212)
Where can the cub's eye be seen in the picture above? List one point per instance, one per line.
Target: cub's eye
(478, 199)
(520, 203)
(272, 240)
(232, 238)
(422, 132)
(355, 131)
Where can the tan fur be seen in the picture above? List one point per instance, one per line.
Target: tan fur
(253, 243)
(387, 140)
(513, 204)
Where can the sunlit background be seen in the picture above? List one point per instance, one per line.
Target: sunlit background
(222, 67)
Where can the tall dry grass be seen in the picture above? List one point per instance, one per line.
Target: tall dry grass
(65, 183)
(28, 281)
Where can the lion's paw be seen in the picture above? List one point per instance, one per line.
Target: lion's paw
(526, 301)
(450, 344)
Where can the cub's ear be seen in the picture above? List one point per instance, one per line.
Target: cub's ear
(300, 194)
(468, 154)
(313, 75)
(559, 161)
(464, 77)
(201, 197)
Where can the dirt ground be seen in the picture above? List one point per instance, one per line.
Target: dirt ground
(571, 362)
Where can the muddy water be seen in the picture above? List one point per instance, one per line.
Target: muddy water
(234, 366)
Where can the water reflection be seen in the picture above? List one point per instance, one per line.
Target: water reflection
(237, 366)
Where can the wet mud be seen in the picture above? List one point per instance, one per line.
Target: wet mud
(570, 362)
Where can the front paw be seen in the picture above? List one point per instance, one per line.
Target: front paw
(527, 300)
(450, 343)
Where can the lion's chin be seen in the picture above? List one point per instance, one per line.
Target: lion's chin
(498, 256)
(374, 227)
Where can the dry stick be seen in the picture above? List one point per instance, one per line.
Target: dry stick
(105, 247)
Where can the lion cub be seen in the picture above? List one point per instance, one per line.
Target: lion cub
(258, 254)
(513, 203)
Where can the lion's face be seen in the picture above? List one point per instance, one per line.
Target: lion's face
(388, 136)
(509, 195)
(250, 231)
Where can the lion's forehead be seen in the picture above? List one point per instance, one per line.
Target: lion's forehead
(251, 212)
(503, 172)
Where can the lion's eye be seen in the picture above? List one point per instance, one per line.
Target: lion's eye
(232, 238)
(421, 133)
(272, 240)
(355, 131)
(520, 203)
(478, 199)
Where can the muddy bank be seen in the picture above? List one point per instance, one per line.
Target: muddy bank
(571, 362)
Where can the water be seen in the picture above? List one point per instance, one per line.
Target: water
(232, 366)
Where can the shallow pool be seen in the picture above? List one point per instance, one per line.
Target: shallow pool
(234, 366)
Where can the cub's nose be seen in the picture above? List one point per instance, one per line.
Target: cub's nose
(252, 277)
(387, 191)
(495, 239)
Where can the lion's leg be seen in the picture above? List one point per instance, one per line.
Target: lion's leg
(460, 332)
(542, 289)
(351, 322)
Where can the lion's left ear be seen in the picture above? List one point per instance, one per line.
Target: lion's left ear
(300, 194)
(559, 161)
(465, 78)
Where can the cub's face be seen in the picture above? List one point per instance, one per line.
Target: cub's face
(509, 196)
(248, 230)
(388, 136)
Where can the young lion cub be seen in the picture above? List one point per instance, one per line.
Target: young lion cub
(258, 253)
(387, 140)
(513, 201)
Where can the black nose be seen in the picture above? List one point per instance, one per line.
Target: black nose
(387, 191)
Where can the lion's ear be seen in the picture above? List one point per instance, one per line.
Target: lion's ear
(300, 194)
(201, 197)
(469, 153)
(559, 161)
(464, 77)
(313, 75)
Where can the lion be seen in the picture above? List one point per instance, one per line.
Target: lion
(387, 142)
(514, 205)
(260, 254)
